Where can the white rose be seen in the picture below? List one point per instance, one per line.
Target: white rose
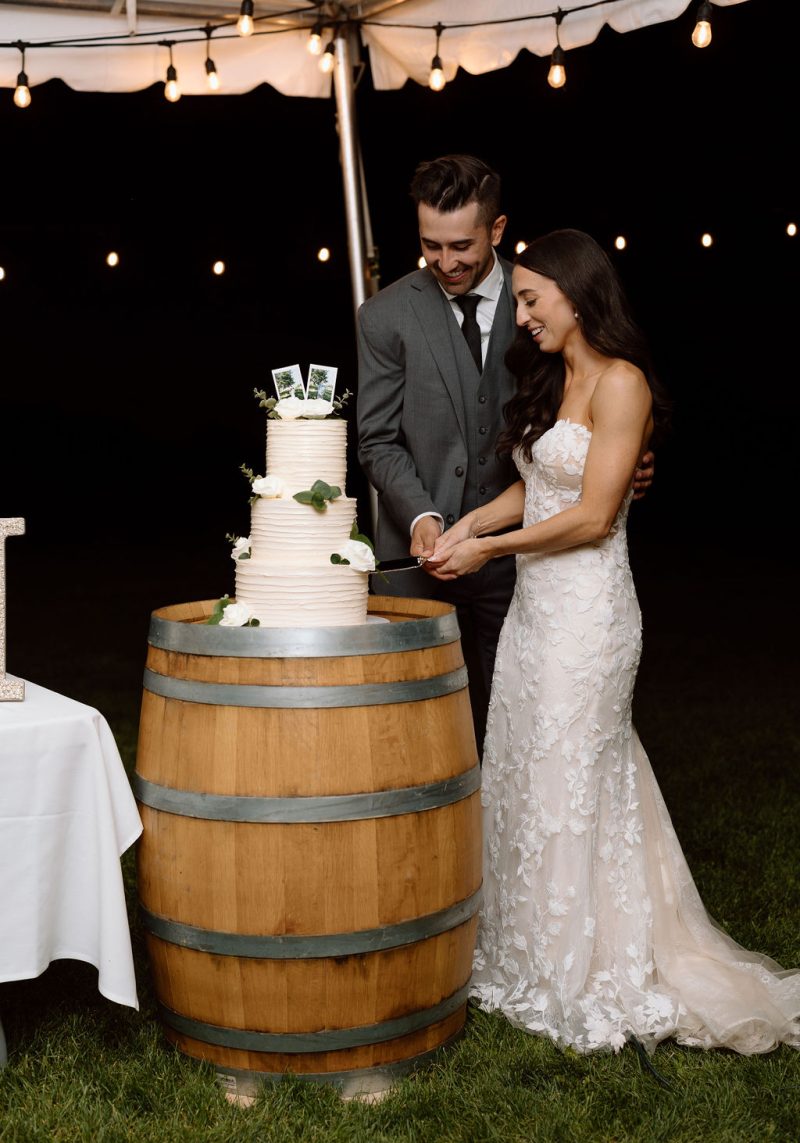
(317, 408)
(270, 487)
(241, 546)
(290, 408)
(361, 556)
(235, 615)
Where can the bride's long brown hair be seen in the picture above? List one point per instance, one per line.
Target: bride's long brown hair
(584, 273)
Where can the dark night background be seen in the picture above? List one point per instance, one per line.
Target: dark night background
(127, 402)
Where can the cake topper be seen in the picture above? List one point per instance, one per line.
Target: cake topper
(11, 690)
(288, 382)
(321, 383)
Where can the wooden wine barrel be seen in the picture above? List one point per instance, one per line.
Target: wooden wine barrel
(310, 867)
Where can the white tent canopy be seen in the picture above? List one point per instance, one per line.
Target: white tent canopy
(118, 46)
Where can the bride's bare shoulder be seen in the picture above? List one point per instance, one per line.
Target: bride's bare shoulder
(620, 380)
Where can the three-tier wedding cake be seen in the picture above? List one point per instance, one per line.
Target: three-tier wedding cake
(284, 575)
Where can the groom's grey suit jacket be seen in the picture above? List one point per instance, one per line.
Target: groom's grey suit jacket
(428, 421)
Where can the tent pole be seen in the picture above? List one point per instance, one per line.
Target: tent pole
(364, 282)
(348, 147)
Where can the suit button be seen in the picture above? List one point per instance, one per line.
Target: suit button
(481, 460)
(483, 430)
(459, 471)
(451, 518)
(482, 399)
(482, 490)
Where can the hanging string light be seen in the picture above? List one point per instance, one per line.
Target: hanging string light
(22, 93)
(172, 91)
(701, 36)
(212, 76)
(327, 59)
(245, 25)
(436, 79)
(314, 44)
(557, 76)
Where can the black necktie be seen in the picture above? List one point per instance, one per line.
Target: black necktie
(468, 304)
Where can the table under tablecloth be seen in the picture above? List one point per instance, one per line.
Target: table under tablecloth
(67, 814)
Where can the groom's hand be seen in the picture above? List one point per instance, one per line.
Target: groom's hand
(643, 476)
(423, 538)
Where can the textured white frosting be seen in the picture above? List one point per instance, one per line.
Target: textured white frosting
(300, 452)
(333, 596)
(289, 580)
(283, 532)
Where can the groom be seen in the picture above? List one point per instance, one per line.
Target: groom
(430, 407)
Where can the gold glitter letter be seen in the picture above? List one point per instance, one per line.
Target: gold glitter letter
(10, 689)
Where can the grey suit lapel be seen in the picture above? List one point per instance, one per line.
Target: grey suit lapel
(431, 307)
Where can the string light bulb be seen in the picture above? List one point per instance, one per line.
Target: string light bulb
(791, 229)
(112, 258)
(520, 246)
(212, 75)
(22, 93)
(557, 75)
(314, 44)
(245, 25)
(620, 242)
(436, 79)
(172, 90)
(326, 60)
(701, 36)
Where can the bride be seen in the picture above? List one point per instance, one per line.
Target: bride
(592, 931)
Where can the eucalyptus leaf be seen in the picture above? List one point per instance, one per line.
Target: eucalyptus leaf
(217, 610)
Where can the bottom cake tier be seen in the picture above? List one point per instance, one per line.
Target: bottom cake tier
(332, 596)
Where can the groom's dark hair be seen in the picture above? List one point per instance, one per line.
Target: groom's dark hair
(452, 181)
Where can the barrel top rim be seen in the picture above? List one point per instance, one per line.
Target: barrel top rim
(412, 623)
(388, 605)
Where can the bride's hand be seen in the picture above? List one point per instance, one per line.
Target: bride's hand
(461, 559)
(460, 531)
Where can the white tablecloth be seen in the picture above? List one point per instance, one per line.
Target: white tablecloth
(66, 815)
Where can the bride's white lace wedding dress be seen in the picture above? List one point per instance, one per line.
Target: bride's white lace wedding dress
(592, 928)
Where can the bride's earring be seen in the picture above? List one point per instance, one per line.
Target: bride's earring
(575, 314)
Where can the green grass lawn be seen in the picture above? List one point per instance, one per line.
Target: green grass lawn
(715, 710)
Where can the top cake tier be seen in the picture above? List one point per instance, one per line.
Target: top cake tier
(302, 451)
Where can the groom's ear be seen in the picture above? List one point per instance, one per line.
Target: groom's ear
(497, 228)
